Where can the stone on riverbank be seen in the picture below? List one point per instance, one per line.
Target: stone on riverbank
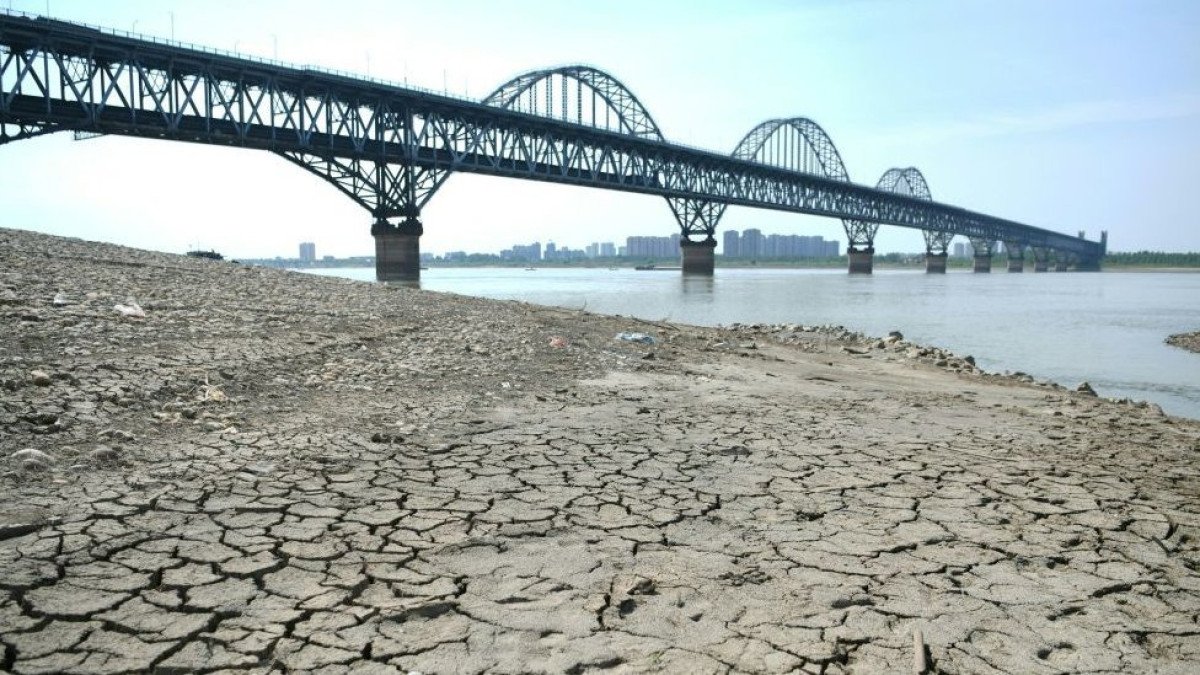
(1188, 341)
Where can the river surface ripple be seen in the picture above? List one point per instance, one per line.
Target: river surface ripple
(1106, 328)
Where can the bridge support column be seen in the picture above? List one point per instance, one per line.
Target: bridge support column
(397, 250)
(1016, 256)
(861, 260)
(983, 254)
(1061, 262)
(1041, 259)
(937, 247)
(698, 257)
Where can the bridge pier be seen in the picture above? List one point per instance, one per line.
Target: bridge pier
(935, 263)
(397, 250)
(1041, 259)
(983, 254)
(861, 260)
(698, 257)
(1061, 262)
(1016, 256)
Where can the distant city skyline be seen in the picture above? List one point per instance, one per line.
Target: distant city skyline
(1026, 110)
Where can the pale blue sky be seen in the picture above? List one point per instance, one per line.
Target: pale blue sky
(1062, 114)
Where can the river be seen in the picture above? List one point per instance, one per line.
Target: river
(1106, 329)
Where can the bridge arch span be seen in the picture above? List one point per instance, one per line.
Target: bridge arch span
(580, 94)
(794, 143)
(905, 181)
(910, 181)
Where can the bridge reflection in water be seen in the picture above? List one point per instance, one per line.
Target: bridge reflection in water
(390, 147)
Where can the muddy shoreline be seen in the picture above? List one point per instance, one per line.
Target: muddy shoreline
(272, 470)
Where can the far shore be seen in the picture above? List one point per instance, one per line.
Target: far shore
(674, 265)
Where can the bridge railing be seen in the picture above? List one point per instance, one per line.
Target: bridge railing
(253, 58)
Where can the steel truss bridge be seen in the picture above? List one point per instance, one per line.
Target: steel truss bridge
(390, 147)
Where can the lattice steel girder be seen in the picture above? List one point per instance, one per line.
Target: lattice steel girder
(860, 233)
(386, 190)
(696, 217)
(983, 246)
(937, 242)
(17, 132)
(58, 74)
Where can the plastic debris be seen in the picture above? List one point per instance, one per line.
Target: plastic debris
(130, 309)
(636, 337)
(558, 342)
(60, 299)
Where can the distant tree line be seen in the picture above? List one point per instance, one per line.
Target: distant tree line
(1152, 259)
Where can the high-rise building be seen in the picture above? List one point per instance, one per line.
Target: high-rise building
(960, 250)
(752, 243)
(608, 249)
(652, 247)
(731, 245)
(308, 251)
(551, 251)
(529, 253)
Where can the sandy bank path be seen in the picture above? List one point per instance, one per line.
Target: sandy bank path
(273, 471)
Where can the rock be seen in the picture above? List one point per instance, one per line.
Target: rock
(104, 453)
(895, 335)
(30, 459)
(40, 377)
(32, 454)
(1085, 388)
(117, 435)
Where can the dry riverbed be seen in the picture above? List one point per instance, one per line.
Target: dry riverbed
(272, 471)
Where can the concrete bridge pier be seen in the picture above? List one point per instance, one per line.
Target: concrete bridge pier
(697, 257)
(937, 247)
(1061, 262)
(397, 249)
(861, 260)
(1041, 259)
(983, 254)
(1016, 256)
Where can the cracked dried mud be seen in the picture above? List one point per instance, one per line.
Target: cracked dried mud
(280, 472)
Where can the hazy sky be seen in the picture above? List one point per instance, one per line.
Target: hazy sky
(1067, 115)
